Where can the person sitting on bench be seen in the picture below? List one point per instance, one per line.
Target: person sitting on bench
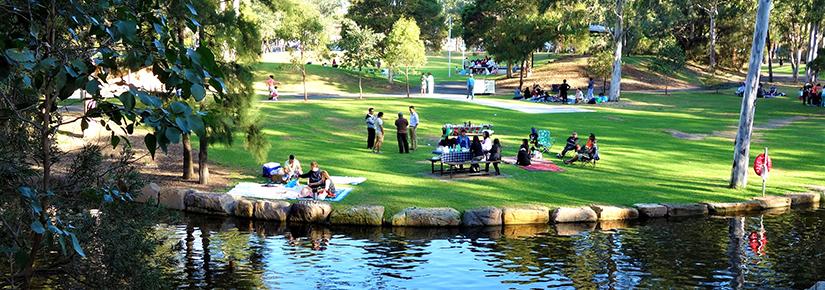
(463, 140)
(589, 152)
(478, 154)
(523, 158)
(495, 155)
(572, 142)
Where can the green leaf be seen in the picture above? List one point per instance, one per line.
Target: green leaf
(115, 140)
(127, 29)
(172, 134)
(38, 228)
(128, 100)
(20, 55)
(192, 9)
(196, 124)
(182, 123)
(76, 245)
(198, 92)
(93, 87)
(26, 192)
(84, 124)
(149, 100)
(151, 143)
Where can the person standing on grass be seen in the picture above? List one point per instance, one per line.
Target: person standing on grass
(370, 119)
(590, 86)
(423, 84)
(413, 127)
(563, 88)
(430, 84)
(401, 125)
(471, 84)
(379, 133)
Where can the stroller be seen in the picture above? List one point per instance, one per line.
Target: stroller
(541, 140)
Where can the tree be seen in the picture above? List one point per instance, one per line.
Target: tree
(404, 48)
(65, 46)
(516, 38)
(380, 16)
(791, 31)
(670, 61)
(741, 157)
(600, 65)
(360, 46)
(615, 82)
(712, 9)
(304, 26)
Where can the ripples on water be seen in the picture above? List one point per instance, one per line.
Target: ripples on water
(779, 251)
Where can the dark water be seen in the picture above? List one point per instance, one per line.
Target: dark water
(763, 251)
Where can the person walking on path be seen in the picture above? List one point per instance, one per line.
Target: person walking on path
(590, 86)
(413, 127)
(401, 125)
(430, 84)
(471, 84)
(423, 89)
(272, 87)
(379, 133)
(563, 91)
(370, 119)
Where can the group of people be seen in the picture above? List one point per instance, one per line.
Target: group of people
(771, 92)
(590, 151)
(484, 148)
(319, 182)
(538, 94)
(403, 127)
(427, 84)
(811, 95)
(484, 65)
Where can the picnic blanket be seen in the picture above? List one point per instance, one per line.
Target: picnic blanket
(280, 191)
(536, 165)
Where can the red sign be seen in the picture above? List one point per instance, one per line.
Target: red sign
(761, 161)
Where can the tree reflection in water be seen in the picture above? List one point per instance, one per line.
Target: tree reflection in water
(666, 253)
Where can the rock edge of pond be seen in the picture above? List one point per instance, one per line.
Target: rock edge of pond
(320, 212)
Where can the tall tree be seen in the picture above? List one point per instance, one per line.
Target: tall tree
(741, 155)
(360, 46)
(304, 26)
(616, 79)
(791, 31)
(405, 50)
(712, 9)
(516, 38)
(381, 15)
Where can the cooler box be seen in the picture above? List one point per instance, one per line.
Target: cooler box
(270, 169)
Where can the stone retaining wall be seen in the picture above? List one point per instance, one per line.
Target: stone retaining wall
(567, 220)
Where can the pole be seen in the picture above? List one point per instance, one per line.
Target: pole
(450, 49)
(765, 172)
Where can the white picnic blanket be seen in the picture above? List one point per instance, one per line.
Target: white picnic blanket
(279, 191)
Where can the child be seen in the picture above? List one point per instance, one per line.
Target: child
(272, 86)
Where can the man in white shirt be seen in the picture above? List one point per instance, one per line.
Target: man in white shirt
(292, 167)
(413, 127)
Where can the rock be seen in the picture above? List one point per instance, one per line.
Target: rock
(768, 202)
(244, 208)
(686, 209)
(651, 210)
(210, 203)
(573, 229)
(484, 216)
(818, 286)
(426, 217)
(173, 199)
(309, 211)
(525, 215)
(574, 215)
(723, 208)
(271, 210)
(614, 213)
(804, 198)
(150, 192)
(366, 215)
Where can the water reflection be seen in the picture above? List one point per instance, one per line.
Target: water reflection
(770, 251)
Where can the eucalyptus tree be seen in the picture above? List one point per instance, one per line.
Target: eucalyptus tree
(405, 49)
(360, 46)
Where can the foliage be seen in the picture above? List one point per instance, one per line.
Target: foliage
(306, 28)
(404, 47)
(600, 65)
(818, 64)
(360, 46)
(256, 143)
(381, 16)
(670, 61)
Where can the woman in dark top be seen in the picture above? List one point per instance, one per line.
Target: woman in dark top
(477, 152)
(523, 157)
(495, 155)
(314, 175)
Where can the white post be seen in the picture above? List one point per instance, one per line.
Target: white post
(765, 172)
(450, 50)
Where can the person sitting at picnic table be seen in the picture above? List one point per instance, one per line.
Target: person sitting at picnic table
(486, 143)
(572, 142)
(463, 140)
(523, 157)
(494, 155)
(589, 152)
(476, 152)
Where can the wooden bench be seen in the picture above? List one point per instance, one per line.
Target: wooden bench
(433, 160)
(452, 165)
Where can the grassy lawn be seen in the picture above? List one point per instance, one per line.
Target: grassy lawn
(640, 161)
(786, 69)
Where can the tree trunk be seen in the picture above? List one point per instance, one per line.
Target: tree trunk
(770, 58)
(203, 159)
(188, 166)
(615, 82)
(304, 73)
(360, 88)
(741, 156)
(811, 55)
(712, 45)
(521, 76)
(407, 80)
(509, 70)
(796, 56)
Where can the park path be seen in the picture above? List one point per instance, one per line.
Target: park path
(452, 91)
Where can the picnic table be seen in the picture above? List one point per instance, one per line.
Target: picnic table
(455, 162)
(472, 130)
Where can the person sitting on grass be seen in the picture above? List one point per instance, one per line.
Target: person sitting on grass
(495, 155)
(589, 152)
(314, 180)
(478, 154)
(523, 157)
(328, 188)
(579, 96)
(292, 168)
(463, 140)
(572, 142)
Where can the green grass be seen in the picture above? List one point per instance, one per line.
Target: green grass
(786, 69)
(320, 79)
(640, 161)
